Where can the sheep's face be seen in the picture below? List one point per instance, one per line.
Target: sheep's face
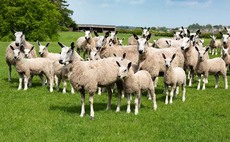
(42, 50)
(120, 41)
(168, 60)
(201, 53)
(95, 55)
(123, 69)
(17, 53)
(113, 35)
(87, 35)
(145, 32)
(142, 45)
(27, 53)
(178, 35)
(65, 57)
(224, 51)
(186, 43)
(101, 42)
(19, 37)
(225, 38)
(110, 42)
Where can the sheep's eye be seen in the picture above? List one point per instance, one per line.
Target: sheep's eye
(125, 70)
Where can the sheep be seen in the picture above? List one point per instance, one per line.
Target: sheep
(44, 52)
(33, 66)
(19, 42)
(85, 44)
(226, 56)
(215, 44)
(88, 75)
(215, 66)
(63, 72)
(173, 76)
(136, 83)
(191, 56)
(225, 40)
(184, 31)
(113, 37)
(145, 33)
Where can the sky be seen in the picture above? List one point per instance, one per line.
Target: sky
(151, 13)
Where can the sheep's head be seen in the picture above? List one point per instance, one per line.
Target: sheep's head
(168, 61)
(187, 42)
(142, 43)
(87, 34)
(201, 53)
(42, 48)
(120, 41)
(102, 41)
(19, 38)
(225, 38)
(178, 35)
(113, 35)
(17, 53)
(123, 69)
(27, 52)
(94, 54)
(145, 32)
(224, 51)
(66, 54)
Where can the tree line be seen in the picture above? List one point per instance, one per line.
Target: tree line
(38, 19)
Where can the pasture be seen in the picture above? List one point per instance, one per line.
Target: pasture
(38, 115)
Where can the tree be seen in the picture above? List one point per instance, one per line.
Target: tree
(38, 19)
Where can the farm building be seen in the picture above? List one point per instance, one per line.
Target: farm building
(98, 28)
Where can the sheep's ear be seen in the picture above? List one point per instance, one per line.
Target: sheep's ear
(96, 34)
(31, 49)
(148, 28)
(181, 36)
(163, 55)
(142, 28)
(226, 28)
(124, 55)
(13, 31)
(47, 44)
(38, 43)
(188, 32)
(174, 55)
(61, 44)
(182, 27)
(198, 32)
(206, 50)
(167, 42)
(174, 32)
(106, 34)
(129, 65)
(135, 36)
(221, 34)
(196, 49)
(191, 37)
(210, 36)
(148, 37)
(72, 45)
(12, 47)
(118, 64)
(114, 55)
(116, 32)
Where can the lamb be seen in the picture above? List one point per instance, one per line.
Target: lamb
(33, 66)
(215, 66)
(191, 56)
(145, 33)
(88, 75)
(85, 44)
(173, 76)
(215, 44)
(226, 56)
(225, 40)
(19, 43)
(136, 83)
(44, 52)
(113, 38)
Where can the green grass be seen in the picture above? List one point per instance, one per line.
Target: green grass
(38, 115)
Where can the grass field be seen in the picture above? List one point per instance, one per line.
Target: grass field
(38, 115)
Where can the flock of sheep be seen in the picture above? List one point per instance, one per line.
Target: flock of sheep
(133, 68)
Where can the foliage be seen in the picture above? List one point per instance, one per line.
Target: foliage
(39, 20)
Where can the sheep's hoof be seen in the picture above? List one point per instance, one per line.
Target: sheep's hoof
(92, 117)
(155, 107)
(118, 110)
(128, 111)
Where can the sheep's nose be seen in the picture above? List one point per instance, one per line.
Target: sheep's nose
(167, 65)
(182, 47)
(97, 47)
(60, 61)
(17, 44)
(140, 51)
(224, 42)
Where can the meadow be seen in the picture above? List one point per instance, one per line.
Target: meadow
(38, 115)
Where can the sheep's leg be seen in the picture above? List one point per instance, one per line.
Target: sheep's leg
(167, 93)
(64, 87)
(189, 73)
(217, 80)
(204, 82)
(26, 82)
(51, 82)
(152, 92)
(42, 79)
(191, 78)
(128, 103)
(56, 80)
(225, 81)
(120, 90)
(199, 79)
(155, 82)
(20, 81)
(99, 90)
(109, 98)
(58, 83)
(136, 101)
(9, 73)
(82, 91)
(30, 80)
(149, 96)
(216, 51)
(171, 93)
(183, 91)
(212, 51)
(91, 105)
(72, 89)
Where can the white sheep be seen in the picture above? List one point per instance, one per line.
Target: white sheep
(33, 66)
(225, 40)
(88, 75)
(184, 31)
(226, 56)
(215, 44)
(174, 77)
(214, 66)
(136, 83)
(19, 43)
(85, 44)
(145, 33)
(44, 52)
(191, 56)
